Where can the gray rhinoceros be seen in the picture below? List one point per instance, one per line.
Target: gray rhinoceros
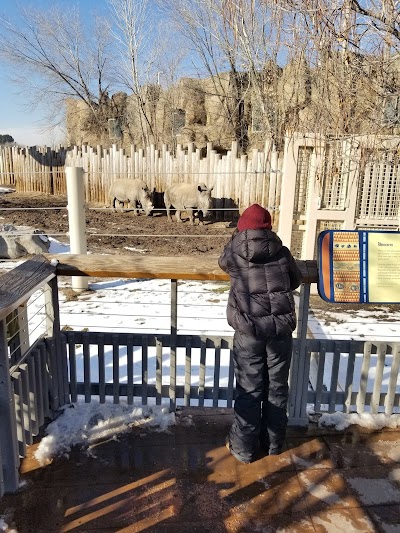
(188, 197)
(131, 192)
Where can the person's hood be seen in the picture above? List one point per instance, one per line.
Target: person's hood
(256, 245)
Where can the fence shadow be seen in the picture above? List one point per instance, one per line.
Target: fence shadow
(185, 479)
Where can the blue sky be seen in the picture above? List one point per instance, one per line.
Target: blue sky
(16, 120)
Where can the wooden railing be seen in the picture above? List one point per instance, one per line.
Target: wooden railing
(39, 377)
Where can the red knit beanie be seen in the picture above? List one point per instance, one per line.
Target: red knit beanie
(254, 217)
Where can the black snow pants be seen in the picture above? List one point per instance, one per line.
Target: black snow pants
(262, 371)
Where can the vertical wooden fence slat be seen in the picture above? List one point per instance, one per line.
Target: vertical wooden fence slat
(394, 372)
(334, 378)
(115, 345)
(53, 374)
(231, 376)
(202, 372)
(8, 433)
(129, 369)
(63, 354)
(380, 366)
(320, 378)
(348, 388)
(45, 379)
(102, 368)
(303, 408)
(188, 371)
(19, 412)
(59, 359)
(86, 367)
(32, 395)
(59, 378)
(26, 403)
(293, 380)
(158, 372)
(145, 369)
(39, 386)
(300, 371)
(72, 368)
(217, 369)
(364, 378)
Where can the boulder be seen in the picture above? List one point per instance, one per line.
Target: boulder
(19, 241)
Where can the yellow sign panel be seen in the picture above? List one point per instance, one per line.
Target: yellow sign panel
(383, 267)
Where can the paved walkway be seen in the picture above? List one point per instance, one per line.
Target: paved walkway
(186, 481)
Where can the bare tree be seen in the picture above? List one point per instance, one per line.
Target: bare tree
(353, 49)
(243, 45)
(54, 59)
(147, 65)
(206, 29)
(131, 31)
(272, 53)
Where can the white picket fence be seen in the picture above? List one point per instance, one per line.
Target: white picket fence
(315, 184)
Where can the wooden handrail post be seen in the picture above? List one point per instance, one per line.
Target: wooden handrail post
(8, 424)
(299, 371)
(76, 218)
(59, 394)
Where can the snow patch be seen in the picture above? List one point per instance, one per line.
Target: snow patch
(83, 424)
(342, 421)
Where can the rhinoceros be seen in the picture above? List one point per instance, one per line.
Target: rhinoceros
(131, 192)
(188, 197)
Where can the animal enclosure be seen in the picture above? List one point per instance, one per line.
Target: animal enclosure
(313, 184)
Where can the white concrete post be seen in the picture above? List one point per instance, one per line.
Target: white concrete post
(309, 237)
(273, 173)
(76, 219)
(288, 188)
(314, 196)
(353, 154)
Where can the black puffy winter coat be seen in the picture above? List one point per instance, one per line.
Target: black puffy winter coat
(263, 275)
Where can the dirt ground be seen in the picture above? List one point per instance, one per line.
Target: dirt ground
(115, 232)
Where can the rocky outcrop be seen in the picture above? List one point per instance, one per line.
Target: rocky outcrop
(20, 241)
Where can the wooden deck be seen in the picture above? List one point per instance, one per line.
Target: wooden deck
(187, 481)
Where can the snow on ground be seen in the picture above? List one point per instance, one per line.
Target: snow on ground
(5, 190)
(143, 306)
(87, 424)
(341, 421)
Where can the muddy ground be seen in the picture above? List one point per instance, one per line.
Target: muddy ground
(117, 232)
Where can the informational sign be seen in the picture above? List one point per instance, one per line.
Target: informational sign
(359, 266)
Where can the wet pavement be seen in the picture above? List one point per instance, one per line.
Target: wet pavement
(186, 481)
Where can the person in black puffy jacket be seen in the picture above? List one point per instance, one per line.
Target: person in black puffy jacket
(261, 310)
